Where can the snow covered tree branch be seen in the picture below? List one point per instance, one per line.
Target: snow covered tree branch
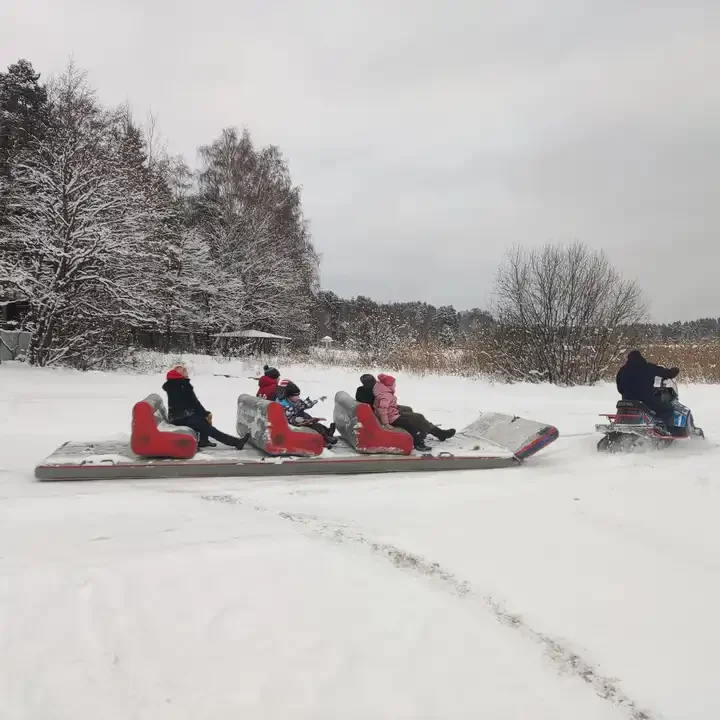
(82, 238)
(250, 215)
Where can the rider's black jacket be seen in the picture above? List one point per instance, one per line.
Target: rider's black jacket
(636, 379)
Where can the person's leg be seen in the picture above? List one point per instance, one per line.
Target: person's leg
(405, 423)
(425, 426)
(199, 428)
(319, 428)
(205, 430)
(225, 439)
(662, 411)
(419, 421)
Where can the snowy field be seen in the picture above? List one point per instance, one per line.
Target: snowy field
(576, 587)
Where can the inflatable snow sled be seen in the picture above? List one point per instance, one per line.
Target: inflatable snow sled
(636, 427)
(157, 449)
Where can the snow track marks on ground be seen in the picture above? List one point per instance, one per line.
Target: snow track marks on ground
(567, 660)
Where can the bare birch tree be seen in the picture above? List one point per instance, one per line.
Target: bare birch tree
(564, 314)
(250, 215)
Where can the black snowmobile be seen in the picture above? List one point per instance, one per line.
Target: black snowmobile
(635, 426)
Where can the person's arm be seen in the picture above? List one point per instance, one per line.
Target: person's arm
(383, 403)
(196, 404)
(663, 372)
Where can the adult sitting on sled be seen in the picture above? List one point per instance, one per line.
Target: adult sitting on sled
(636, 382)
(365, 394)
(388, 411)
(295, 412)
(185, 409)
(267, 384)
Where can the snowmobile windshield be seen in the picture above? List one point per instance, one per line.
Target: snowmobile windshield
(667, 390)
(670, 383)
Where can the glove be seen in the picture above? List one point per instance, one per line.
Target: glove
(208, 417)
(323, 398)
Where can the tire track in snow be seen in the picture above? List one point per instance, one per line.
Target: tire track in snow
(567, 660)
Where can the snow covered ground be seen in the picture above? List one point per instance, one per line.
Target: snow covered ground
(577, 586)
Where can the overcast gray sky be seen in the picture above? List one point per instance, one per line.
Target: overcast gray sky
(430, 136)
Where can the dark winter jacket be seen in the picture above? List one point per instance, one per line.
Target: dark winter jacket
(636, 378)
(364, 394)
(182, 401)
(267, 387)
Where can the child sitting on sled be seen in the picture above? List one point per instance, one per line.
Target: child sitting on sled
(296, 413)
(268, 383)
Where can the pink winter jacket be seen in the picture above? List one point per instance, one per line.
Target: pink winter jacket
(385, 404)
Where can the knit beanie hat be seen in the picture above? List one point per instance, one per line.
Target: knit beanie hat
(174, 373)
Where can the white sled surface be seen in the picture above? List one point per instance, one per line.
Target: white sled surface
(113, 459)
(493, 440)
(521, 437)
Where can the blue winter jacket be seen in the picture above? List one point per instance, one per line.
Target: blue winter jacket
(295, 411)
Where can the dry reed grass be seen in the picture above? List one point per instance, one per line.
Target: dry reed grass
(699, 361)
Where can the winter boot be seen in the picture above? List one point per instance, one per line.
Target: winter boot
(419, 442)
(240, 444)
(442, 435)
(206, 444)
(331, 429)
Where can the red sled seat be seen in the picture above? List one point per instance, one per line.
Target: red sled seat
(270, 432)
(359, 426)
(153, 436)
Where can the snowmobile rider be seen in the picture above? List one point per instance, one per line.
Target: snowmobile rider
(267, 384)
(388, 411)
(295, 412)
(185, 409)
(636, 382)
(365, 394)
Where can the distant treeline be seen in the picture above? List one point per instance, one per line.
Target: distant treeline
(360, 319)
